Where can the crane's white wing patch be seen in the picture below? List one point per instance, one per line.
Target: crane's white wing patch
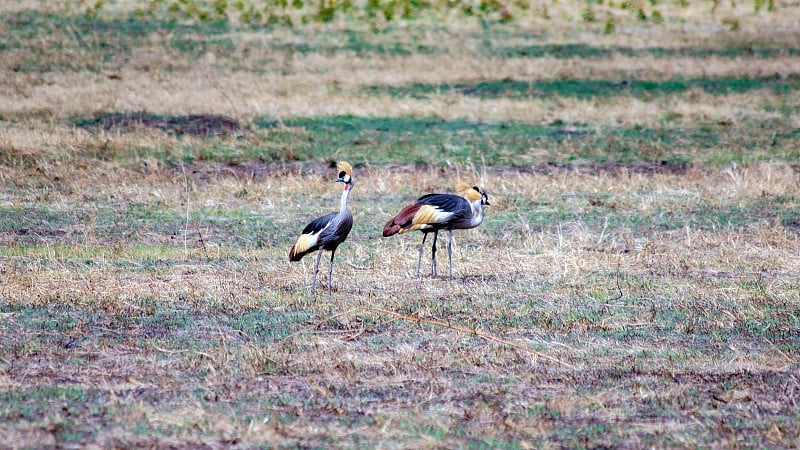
(308, 240)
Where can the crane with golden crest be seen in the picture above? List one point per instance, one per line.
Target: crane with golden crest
(328, 231)
(434, 212)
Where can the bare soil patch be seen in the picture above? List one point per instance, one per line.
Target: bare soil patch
(192, 124)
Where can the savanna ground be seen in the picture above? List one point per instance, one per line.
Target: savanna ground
(636, 281)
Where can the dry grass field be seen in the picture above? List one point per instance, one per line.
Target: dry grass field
(636, 282)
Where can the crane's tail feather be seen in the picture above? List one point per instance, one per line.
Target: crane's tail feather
(293, 256)
(401, 221)
(391, 227)
(304, 245)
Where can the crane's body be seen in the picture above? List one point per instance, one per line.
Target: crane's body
(434, 212)
(328, 231)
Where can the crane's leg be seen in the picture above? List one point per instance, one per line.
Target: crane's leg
(450, 252)
(330, 273)
(433, 253)
(316, 269)
(421, 246)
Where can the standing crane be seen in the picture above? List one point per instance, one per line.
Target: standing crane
(328, 231)
(434, 212)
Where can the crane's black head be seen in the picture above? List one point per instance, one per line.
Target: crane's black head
(345, 175)
(482, 193)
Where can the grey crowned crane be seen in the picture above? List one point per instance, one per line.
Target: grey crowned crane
(328, 231)
(434, 212)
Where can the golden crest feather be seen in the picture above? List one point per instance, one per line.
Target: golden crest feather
(467, 191)
(461, 187)
(345, 167)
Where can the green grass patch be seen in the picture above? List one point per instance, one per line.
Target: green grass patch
(104, 41)
(108, 38)
(82, 257)
(269, 325)
(150, 230)
(59, 410)
(594, 89)
(434, 141)
(45, 318)
(34, 220)
(622, 214)
(566, 51)
(390, 42)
